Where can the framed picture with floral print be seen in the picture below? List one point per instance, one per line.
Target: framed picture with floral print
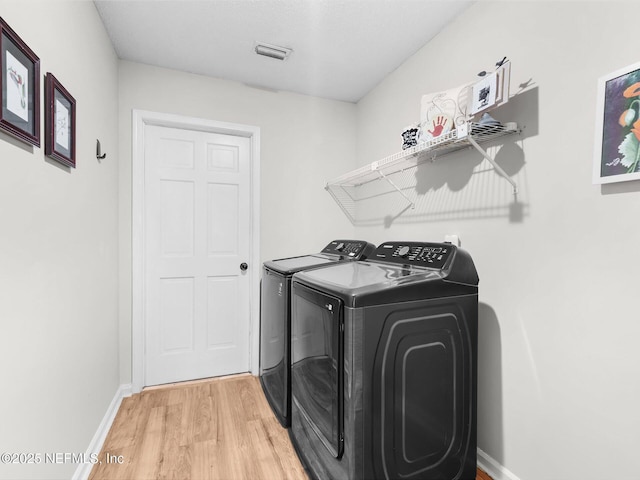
(617, 133)
(20, 86)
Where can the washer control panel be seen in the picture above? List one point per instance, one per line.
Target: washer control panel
(350, 248)
(432, 255)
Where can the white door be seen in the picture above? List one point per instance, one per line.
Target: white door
(197, 225)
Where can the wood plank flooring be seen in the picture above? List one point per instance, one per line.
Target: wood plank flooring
(215, 429)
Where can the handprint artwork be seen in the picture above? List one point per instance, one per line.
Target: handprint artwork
(438, 126)
(441, 112)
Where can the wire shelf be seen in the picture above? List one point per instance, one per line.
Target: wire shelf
(454, 140)
(471, 134)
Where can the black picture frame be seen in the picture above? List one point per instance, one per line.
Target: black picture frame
(60, 122)
(20, 87)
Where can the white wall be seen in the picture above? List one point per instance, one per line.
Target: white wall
(58, 251)
(558, 360)
(304, 142)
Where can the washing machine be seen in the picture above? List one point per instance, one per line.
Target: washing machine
(275, 316)
(383, 365)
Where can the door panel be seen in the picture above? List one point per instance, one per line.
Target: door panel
(178, 153)
(176, 218)
(176, 314)
(222, 301)
(197, 226)
(223, 205)
(222, 158)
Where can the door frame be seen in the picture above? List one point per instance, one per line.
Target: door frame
(140, 119)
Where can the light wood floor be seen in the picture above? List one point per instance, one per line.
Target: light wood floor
(214, 429)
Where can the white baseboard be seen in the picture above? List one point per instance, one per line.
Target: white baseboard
(494, 468)
(84, 469)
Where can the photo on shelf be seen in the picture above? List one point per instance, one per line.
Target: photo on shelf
(483, 93)
(410, 136)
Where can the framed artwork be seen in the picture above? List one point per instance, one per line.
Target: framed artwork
(617, 132)
(20, 85)
(60, 122)
(483, 93)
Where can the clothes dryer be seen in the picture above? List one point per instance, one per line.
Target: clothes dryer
(275, 316)
(384, 374)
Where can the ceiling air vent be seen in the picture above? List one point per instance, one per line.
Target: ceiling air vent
(273, 51)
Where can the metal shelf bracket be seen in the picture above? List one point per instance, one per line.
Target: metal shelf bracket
(497, 167)
(374, 166)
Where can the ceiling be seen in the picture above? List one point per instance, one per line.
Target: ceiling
(341, 48)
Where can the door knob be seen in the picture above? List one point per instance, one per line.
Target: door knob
(243, 266)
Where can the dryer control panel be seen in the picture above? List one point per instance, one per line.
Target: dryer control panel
(432, 255)
(350, 248)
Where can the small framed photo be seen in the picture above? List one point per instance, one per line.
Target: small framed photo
(483, 93)
(617, 132)
(20, 85)
(60, 122)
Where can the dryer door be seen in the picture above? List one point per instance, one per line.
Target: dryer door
(316, 364)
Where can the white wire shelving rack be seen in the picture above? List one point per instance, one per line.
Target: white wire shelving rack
(470, 134)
